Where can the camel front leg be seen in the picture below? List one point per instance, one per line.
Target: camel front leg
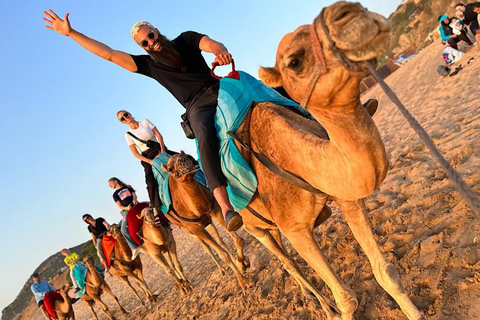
(137, 275)
(271, 244)
(107, 289)
(132, 289)
(243, 261)
(387, 276)
(209, 251)
(102, 305)
(172, 254)
(90, 307)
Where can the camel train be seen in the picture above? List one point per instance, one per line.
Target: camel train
(335, 155)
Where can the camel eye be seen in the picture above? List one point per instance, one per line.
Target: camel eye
(294, 64)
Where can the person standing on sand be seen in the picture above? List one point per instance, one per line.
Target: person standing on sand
(179, 66)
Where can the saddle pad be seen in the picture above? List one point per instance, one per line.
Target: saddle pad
(133, 222)
(80, 273)
(235, 98)
(162, 180)
(49, 302)
(108, 243)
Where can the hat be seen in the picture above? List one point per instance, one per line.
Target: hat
(443, 70)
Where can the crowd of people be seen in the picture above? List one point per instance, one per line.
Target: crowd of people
(464, 26)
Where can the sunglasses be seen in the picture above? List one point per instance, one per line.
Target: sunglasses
(125, 115)
(151, 36)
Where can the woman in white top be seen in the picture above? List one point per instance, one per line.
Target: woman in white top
(140, 134)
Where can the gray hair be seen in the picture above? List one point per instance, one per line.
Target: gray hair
(139, 25)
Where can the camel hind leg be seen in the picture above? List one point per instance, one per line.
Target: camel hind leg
(172, 254)
(387, 276)
(103, 306)
(137, 275)
(271, 244)
(132, 289)
(89, 304)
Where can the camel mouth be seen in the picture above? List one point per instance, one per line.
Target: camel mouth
(361, 35)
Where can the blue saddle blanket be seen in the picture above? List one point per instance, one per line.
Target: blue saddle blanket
(80, 272)
(235, 98)
(162, 180)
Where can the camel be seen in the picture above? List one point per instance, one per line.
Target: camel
(123, 267)
(194, 202)
(159, 243)
(344, 166)
(95, 285)
(64, 308)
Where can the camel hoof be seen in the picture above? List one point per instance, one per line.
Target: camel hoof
(245, 264)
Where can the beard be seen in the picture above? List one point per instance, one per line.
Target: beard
(168, 55)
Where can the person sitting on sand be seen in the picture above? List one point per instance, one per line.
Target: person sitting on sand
(470, 13)
(39, 289)
(97, 228)
(452, 35)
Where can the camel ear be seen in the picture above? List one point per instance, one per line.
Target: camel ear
(182, 152)
(270, 76)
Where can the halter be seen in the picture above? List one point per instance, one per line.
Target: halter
(321, 64)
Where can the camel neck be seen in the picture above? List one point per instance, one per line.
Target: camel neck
(123, 252)
(194, 197)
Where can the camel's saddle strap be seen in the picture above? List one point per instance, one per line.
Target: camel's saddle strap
(272, 166)
(197, 219)
(259, 216)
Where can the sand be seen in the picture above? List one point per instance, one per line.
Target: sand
(421, 223)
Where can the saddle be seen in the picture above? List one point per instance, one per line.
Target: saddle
(108, 244)
(49, 302)
(134, 223)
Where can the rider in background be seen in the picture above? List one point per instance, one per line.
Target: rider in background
(71, 259)
(97, 228)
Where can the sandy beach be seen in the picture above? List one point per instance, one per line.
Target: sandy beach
(421, 223)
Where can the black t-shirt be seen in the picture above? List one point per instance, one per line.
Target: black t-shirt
(99, 228)
(183, 85)
(124, 195)
(469, 14)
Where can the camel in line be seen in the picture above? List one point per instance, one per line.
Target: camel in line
(64, 308)
(95, 285)
(159, 243)
(345, 166)
(123, 267)
(192, 201)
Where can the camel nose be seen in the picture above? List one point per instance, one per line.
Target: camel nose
(344, 13)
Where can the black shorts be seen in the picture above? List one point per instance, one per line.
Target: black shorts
(40, 303)
(474, 26)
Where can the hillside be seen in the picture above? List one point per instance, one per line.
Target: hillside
(48, 269)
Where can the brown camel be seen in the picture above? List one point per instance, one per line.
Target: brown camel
(123, 267)
(64, 308)
(347, 165)
(159, 243)
(95, 285)
(194, 202)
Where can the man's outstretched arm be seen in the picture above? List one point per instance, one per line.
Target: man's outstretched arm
(63, 27)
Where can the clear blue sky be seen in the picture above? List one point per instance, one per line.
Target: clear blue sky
(60, 137)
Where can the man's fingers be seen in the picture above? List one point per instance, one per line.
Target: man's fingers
(49, 15)
(47, 21)
(49, 27)
(53, 13)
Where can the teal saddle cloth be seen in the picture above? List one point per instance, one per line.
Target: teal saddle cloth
(80, 272)
(235, 98)
(162, 180)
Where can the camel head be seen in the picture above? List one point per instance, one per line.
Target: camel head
(305, 59)
(63, 290)
(147, 214)
(114, 231)
(181, 166)
(88, 261)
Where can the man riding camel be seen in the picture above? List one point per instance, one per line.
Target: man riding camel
(179, 66)
(40, 288)
(71, 259)
(97, 228)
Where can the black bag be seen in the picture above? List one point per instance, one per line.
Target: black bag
(153, 147)
(187, 129)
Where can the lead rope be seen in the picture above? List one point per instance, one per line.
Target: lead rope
(459, 184)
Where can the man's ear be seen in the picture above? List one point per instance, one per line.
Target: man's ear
(270, 76)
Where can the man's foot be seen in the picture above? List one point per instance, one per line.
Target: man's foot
(371, 105)
(233, 221)
(136, 252)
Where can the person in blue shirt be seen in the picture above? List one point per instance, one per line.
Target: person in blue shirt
(39, 289)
